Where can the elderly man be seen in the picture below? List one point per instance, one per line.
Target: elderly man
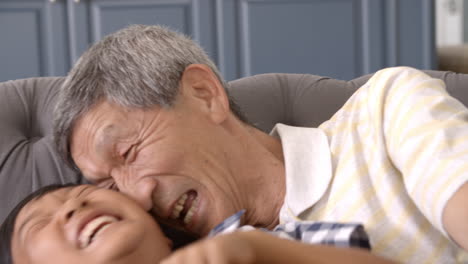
(145, 112)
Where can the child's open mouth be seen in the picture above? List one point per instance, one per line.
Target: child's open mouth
(93, 228)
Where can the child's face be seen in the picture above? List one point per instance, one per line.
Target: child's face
(85, 224)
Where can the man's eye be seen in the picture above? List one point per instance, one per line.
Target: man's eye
(110, 185)
(129, 155)
(113, 187)
(126, 153)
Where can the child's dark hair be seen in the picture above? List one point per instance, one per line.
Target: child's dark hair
(8, 226)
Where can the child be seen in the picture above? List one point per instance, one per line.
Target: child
(86, 224)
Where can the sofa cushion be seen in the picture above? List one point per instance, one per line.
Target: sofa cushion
(28, 159)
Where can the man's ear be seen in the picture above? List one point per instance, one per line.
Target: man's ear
(200, 84)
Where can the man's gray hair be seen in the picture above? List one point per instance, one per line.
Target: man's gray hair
(137, 67)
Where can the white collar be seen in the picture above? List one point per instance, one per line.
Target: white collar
(308, 167)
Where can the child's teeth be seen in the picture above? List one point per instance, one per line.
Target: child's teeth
(99, 231)
(93, 228)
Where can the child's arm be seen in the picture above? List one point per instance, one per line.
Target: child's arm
(256, 247)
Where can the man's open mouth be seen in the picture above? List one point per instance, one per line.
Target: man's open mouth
(93, 228)
(185, 207)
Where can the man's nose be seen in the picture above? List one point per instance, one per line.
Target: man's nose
(139, 189)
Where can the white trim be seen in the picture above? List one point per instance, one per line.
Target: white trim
(449, 22)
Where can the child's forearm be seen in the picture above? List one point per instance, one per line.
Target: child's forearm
(256, 247)
(268, 249)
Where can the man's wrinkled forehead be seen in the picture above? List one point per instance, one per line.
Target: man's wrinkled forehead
(89, 147)
(100, 123)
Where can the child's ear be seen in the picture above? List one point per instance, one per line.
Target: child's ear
(201, 84)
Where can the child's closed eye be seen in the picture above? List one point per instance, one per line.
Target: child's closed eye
(38, 224)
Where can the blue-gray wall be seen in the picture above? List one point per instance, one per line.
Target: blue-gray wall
(337, 38)
(465, 20)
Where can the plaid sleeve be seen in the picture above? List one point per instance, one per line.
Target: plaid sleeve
(229, 225)
(325, 233)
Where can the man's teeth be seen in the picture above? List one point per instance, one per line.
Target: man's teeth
(191, 211)
(179, 207)
(94, 228)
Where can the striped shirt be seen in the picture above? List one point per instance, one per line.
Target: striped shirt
(390, 158)
(325, 233)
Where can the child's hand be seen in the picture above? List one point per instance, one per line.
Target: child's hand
(230, 248)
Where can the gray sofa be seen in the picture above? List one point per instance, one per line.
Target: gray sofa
(28, 159)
